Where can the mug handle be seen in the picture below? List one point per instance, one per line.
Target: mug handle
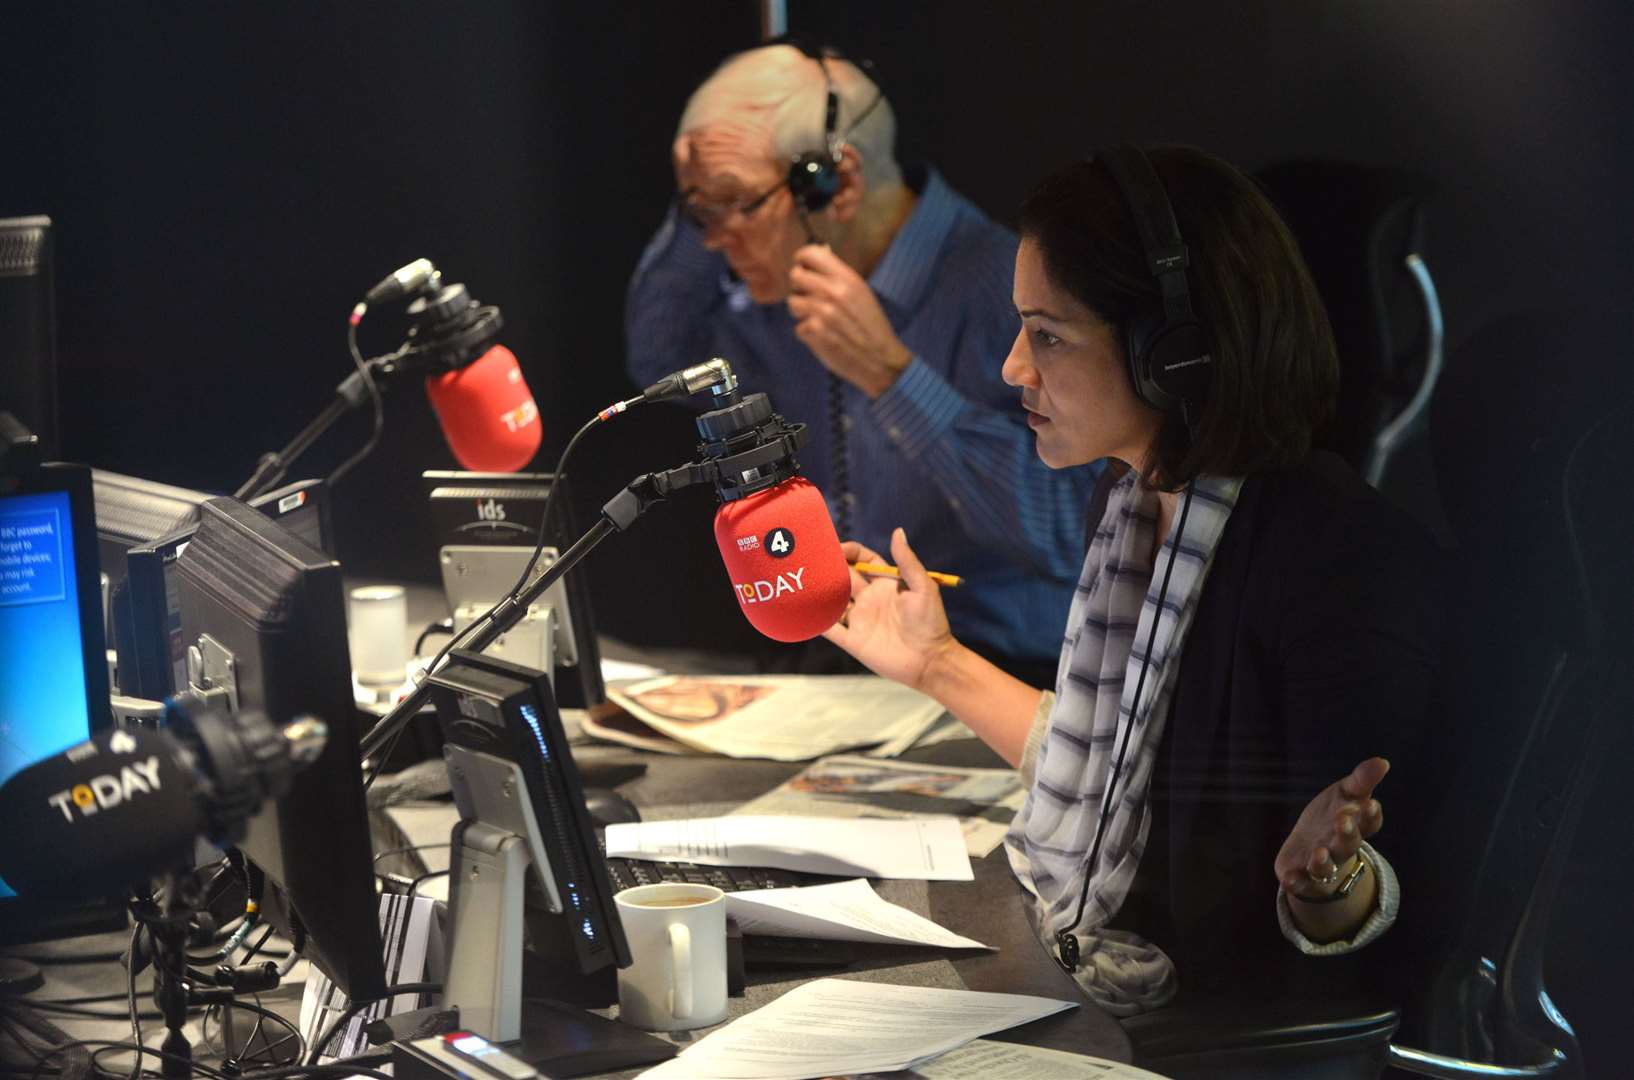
(680, 943)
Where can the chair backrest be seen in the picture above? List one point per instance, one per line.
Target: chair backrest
(1533, 688)
(1357, 225)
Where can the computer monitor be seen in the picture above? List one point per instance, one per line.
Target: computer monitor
(487, 525)
(132, 511)
(146, 607)
(502, 732)
(28, 328)
(266, 612)
(53, 676)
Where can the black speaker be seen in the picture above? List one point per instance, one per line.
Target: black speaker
(28, 333)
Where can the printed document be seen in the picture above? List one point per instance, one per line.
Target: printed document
(918, 849)
(986, 1060)
(840, 911)
(984, 800)
(781, 717)
(839, 1027)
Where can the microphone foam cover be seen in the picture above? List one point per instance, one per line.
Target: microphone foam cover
(112, 810)
(784, 560)
(487, 412)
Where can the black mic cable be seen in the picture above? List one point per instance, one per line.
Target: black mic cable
(375, 399)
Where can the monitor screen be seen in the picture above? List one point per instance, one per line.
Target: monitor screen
(42, 693)
(53, 673)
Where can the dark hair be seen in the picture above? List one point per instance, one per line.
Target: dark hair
(1276, 371)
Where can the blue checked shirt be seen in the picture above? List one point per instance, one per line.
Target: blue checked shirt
(945, 452)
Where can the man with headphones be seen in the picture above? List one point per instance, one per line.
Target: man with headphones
(871, 302)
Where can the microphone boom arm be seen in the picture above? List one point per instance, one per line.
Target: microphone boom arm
(352, 393)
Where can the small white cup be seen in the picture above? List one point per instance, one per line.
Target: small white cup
(677, 978)
(378, 633)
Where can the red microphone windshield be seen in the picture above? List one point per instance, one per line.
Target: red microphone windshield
(784, 559)
(487, 413)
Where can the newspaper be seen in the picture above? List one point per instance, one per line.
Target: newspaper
(781, 717)
(984, 800)
(414, 946)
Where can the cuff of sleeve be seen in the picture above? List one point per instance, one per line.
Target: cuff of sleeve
(918, 408)
(1035, 739)
(1383, 916)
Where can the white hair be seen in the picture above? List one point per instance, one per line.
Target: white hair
(781, 90)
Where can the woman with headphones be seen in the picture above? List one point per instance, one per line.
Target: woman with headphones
(1252, 642)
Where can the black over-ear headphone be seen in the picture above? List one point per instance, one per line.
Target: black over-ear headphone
(1170, 358)
(814, 176)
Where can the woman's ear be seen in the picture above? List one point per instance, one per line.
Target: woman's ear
(848, 196)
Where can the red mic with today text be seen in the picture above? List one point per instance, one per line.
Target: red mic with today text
(487, 412)
(773, 528)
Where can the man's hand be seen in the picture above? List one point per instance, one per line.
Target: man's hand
(840, 320)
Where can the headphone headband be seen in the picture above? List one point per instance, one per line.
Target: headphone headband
(814, 177)
(1167, 256)
(1170, 360)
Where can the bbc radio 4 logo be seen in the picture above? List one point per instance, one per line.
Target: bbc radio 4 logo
(779, 544)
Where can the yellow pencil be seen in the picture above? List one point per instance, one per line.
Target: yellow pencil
(952, 581)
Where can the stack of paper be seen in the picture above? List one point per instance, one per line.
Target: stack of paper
(984, 800)
(986, 1060)
(782, 717)
(919, 849)
(837, 1027)
(841, 911)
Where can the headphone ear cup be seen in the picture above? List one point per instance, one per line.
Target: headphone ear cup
(814, 180)
(1141, 334)
(1180, 363)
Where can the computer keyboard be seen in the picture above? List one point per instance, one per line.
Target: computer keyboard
(758, 952)
(628, 873)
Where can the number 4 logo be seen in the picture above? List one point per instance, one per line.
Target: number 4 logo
(780, 543)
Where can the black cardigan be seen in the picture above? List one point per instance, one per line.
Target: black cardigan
(1314, 646)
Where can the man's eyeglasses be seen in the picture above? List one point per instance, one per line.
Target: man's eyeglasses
(705, 214)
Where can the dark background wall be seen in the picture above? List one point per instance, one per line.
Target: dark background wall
(227, 180)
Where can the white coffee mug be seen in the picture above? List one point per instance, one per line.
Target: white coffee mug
(378, 633)
(677, 976)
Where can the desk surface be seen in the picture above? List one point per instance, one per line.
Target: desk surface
(990, 909)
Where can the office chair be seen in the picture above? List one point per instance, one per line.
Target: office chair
(1361, 230)
(1537, 690)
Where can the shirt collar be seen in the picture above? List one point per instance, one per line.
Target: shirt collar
(904, 272)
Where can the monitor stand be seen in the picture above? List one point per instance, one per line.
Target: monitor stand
(493, 846)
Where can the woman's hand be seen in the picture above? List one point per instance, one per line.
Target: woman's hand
(1318, 852)
(895, 626)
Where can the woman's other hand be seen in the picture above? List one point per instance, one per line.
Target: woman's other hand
(1318, 852)
(895, 626)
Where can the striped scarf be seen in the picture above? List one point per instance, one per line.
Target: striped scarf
(1107, 629)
